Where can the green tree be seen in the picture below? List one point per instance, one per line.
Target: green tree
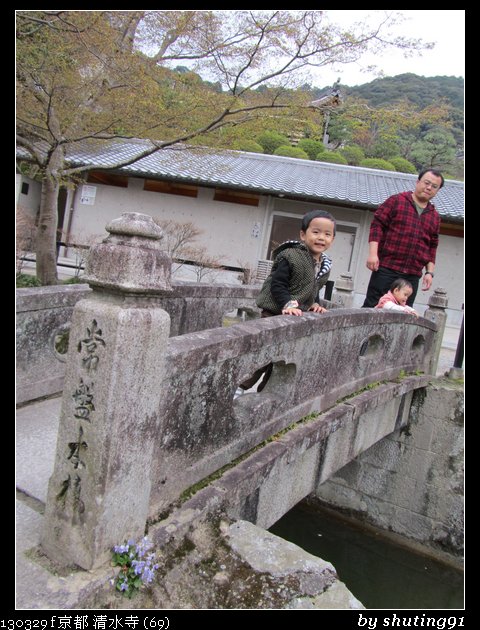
(435, 149)
(380, 131)
(384, 147)
(99, 75)
(341, 128)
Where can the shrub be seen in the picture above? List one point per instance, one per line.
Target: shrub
(353, 154)
(288, 151)
(331, 156)
(24, 280)
(378, 163)
(312, 147)
(271, 140)
(248, 145)
(402, 165)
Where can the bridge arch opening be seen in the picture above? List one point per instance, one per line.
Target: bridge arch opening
(59, 341)
(372, 346)
(418, 346)
(418, 343)
(277, 377)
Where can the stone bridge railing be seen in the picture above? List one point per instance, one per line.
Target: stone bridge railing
(44, 315)
(145, 415)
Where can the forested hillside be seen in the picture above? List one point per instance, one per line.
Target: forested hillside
(402, 123)
(422, 91)
(438, 104)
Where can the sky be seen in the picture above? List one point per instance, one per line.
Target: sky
(447, 58)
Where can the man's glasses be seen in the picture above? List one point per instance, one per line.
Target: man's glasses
(428, 183)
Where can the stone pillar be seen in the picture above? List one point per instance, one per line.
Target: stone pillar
(436, 312)
(99, 492)
(343, 290)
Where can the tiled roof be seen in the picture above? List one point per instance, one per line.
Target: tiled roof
(268, 174)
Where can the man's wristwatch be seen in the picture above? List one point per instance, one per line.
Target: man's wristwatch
(429, 272)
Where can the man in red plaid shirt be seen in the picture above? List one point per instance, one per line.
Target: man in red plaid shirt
(404, 239)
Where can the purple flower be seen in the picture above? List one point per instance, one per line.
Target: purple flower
(139, 560)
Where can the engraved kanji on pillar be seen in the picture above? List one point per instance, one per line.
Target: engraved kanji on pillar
(71, 487)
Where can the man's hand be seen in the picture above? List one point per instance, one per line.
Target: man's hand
(426, 282)
(373, 263)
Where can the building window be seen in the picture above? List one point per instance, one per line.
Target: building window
(170, 188)
(236, 196)
(451, 229)
(109, 179)
(25, 187)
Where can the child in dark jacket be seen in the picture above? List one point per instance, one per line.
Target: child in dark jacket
(300, 269)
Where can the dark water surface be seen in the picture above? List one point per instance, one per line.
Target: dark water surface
(377, 572)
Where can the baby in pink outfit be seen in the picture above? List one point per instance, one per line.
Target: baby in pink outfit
(396, 298)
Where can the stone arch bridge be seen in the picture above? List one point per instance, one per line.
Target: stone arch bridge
(151, 435)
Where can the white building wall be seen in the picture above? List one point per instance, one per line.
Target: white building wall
(27, 208)
(29, 202)
(449, 270)
(231, 232)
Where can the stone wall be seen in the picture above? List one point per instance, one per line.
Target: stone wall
(411, 482)
(193, 306)
(43, 320)
(44, 315)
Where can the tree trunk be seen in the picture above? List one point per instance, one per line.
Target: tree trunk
(46, 252)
